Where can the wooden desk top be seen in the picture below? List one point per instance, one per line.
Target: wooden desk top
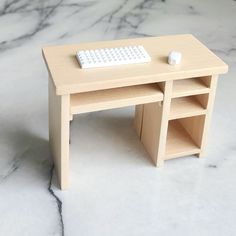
(68, 77)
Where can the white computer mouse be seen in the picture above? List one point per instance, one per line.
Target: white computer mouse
(174, 58)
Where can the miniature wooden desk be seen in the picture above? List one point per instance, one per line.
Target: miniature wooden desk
(173, 103)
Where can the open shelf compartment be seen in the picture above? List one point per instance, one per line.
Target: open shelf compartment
(188, 106)
(115, 98)
(191, 86)
(184, 137)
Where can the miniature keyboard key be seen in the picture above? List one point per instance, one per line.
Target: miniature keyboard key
(112, 56)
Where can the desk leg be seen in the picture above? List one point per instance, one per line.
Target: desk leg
(59, 117)
(155, 125)
(210, 105)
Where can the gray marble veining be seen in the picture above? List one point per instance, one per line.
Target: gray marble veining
(114, 188)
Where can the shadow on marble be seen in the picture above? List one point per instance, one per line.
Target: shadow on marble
(27, 181)
(30, 152)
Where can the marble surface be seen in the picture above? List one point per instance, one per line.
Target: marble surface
(114, 189)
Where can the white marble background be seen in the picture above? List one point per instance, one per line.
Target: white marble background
(114, 188)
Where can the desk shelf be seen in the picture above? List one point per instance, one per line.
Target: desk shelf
(115, 98)
(192, 86)
(186, 107)
(179, 142)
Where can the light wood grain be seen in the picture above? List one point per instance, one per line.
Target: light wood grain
(187, 87)
(151, 128)
(185, 107)
(209, 107)
(59, 133)
(194, 127)
(115, 98)
(138, 119)
(179, 142)
(154, 127)
(70, 78)
(206, 80)
(203, 99)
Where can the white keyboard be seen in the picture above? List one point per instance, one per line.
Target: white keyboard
(112, 56)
